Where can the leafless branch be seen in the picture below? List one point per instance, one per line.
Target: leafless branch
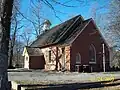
(62, 4)
(24, 16)
(67, 1)
(51, 7)
(20, 27)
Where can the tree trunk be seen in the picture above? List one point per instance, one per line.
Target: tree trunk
(5, 21)
(11, 57)
(12, 43)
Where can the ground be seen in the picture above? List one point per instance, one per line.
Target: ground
(61, 76)
(33, 76)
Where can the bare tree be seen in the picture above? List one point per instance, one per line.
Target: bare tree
(103, 20)
(36, 9)
(15, 27)
(111, 20)
(5, 18)
(26, 36)
(114, 16)
(17, 54)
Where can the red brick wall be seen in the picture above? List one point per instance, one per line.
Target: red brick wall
(81, 44)
(36, 62)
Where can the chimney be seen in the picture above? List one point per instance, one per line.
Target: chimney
(46, 25)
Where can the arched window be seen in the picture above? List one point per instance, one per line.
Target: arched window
(78, 58)
(92, 54)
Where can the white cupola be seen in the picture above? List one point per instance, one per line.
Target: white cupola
(46, 25)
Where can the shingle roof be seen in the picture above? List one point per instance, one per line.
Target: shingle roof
(62, 33)
(76, 31)
(34, 51)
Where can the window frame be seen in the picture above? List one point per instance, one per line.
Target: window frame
(94, 49)
(78, 56)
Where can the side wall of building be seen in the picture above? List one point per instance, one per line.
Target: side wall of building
(26, 59)
(89, 36)
(57, 57)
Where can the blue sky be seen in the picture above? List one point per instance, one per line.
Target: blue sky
(82, 8)
(85, 9)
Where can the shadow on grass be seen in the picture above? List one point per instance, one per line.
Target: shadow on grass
(71, 86)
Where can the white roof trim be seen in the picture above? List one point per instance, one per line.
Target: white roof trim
(97, 30)
(80, 32)
(25, 51)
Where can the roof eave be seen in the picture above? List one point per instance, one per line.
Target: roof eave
(51, 45)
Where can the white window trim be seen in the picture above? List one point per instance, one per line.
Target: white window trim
(93, 62)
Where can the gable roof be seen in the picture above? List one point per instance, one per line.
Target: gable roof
(33, 51)
(63, 33)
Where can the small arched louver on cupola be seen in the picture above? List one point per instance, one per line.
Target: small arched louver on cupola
(46, 25)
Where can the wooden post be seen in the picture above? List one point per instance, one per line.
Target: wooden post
(63, 57)
(57, 60)
(103, 45)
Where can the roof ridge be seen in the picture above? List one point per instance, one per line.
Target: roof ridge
(68, 28)
(55, 27)
(59, 33)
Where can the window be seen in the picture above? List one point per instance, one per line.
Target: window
(92, 54)
(49, 56)
(78, 58)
